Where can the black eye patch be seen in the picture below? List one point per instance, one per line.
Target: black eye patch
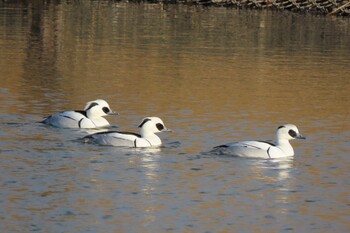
(159, 126)
(105, 110)
(292, 133)
(143, 122)
(91, 105)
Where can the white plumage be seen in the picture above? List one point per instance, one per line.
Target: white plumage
(90, 117)
(263, 149)
(147, 137)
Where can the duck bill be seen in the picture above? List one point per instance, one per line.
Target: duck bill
(166, 130)
(300, 137)
(113, 113)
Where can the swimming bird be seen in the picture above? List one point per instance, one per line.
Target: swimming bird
(90, 117)
(149, 126)
(263, 149)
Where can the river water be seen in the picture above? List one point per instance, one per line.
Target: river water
(214, 75)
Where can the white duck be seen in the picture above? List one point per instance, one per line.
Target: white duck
(263, 149)
(89, 118)
(147, 137)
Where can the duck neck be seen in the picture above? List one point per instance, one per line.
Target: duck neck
(91, 116)
(152, 138)
(285, 146)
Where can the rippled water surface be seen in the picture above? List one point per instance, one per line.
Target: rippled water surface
(214, 75)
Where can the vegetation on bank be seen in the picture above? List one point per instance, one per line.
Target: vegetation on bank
(324, 7)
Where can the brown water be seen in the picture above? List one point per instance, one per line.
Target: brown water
(214, 75)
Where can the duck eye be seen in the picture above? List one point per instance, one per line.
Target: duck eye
(292, 133)
(159, 126)
(105, 110)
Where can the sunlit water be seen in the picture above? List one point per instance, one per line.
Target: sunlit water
(214, 75)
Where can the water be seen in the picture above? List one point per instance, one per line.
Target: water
(214, 75)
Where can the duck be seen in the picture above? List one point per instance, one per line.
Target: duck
(147, 137)
(263, 149)
(90, 118)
